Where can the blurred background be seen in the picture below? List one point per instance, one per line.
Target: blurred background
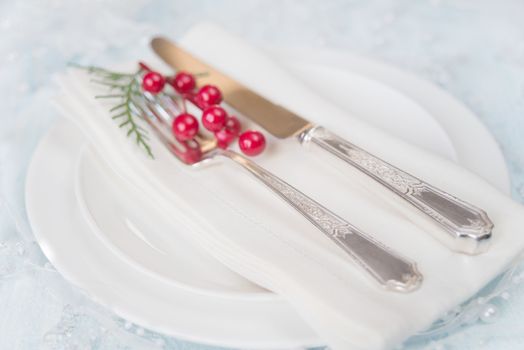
(473, 49)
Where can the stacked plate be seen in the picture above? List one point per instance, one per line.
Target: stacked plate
(98, 234)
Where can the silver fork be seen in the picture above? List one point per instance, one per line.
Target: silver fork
(388, 268)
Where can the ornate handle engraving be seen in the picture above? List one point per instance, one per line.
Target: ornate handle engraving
(468, 227)
(388, 268)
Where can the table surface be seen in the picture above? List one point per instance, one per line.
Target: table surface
(473, 49)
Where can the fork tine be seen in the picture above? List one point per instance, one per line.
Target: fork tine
(188, 152)
(167, 105)
(157, 121)
(171, 106)
(161, 115)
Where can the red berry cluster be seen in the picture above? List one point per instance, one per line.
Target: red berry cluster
(224, 127)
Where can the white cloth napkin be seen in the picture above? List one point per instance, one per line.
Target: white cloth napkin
(250, 230)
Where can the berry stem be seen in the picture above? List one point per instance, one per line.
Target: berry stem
(144, 66)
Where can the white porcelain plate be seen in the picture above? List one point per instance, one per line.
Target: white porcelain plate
(98, 235)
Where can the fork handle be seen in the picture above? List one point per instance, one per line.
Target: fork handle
(390, 269)
(467, 228)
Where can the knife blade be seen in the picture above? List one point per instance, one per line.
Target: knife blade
(458, 224)
(276, 119)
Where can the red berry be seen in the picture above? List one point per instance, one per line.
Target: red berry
(208, 95)
(185, 127)
(214, 118)
(224, 138)
(183, 82)
(153, 82)
(233, 125)
(192, 153)
(251, 142)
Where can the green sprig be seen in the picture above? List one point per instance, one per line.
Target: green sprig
(122, 87)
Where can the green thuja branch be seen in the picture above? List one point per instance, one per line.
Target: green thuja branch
(122, 87)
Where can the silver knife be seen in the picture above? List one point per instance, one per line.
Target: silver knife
(461, 226)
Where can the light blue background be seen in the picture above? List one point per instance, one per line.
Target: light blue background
(473, 49)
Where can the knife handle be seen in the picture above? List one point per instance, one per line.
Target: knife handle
(467, 229)
(390, 269)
